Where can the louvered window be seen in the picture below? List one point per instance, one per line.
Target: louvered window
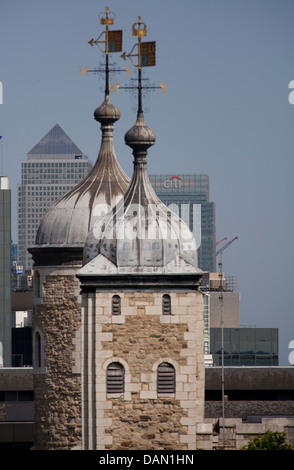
(115, 380)
(166, 305)
(116, 310)
(166, 378)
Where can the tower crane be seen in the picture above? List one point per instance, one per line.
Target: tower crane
(223, 239)
(225, 246)
(220, 252)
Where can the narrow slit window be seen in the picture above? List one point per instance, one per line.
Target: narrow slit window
(116, 307)
(166, 379)
(37, 349)
(166, 304)
(115, 380)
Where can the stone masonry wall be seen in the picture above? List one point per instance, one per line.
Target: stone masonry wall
(141, 338)
(243, 409)
(58, 390)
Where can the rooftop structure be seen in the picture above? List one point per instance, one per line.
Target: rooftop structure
(55, 142)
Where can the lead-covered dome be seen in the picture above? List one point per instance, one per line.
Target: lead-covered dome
(72, 216)
(140, 233)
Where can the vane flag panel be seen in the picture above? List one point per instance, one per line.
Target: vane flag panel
(146, 51)
(113, 39)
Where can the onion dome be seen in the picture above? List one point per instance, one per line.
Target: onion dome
(140, 233)
(72, 216)
(107, 112)
(140, 135)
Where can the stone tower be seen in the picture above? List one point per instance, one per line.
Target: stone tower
(57, 256)
(142, 322)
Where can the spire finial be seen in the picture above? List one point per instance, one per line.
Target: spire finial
(140, 137)
(112, 42)
(145, 54)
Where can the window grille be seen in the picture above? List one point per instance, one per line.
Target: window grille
(166, 305)
(115, 380)
(116, 309)
(166, 378)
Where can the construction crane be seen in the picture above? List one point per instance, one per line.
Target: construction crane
(223, 239)
(225, 246)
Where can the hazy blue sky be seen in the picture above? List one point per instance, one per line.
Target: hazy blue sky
(227, 65)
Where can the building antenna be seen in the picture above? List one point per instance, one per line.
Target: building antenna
(221, 298)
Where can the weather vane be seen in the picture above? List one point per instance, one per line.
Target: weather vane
(108, 41)
(145, 53)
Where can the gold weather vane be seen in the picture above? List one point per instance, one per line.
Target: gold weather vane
(112, 41)
(146, 57)
(146, 51)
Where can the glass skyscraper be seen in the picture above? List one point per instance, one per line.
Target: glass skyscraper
(53, 167)
(245, 346)
(5, 272)
(188, 196)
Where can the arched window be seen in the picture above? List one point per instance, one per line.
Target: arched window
(115, 378)
(166, 378)
(166, 304)
(116, 309)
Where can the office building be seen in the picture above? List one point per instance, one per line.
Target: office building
(52, 167)
(5, 272)
(245, 346)
(188, 196)
(228, 341)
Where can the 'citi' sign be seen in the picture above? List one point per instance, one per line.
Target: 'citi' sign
(173, 182)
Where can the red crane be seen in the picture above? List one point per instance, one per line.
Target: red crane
(225, 246)
(217, 243)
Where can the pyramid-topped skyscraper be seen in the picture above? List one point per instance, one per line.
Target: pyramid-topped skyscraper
(52, 167)
(55, 142)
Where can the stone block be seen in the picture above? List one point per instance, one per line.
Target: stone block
(188, 421)
(204, 444)
(152, 395)
(204, 428)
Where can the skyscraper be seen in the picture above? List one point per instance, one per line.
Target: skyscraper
(5, 272)
(52, 167)
(188, 196)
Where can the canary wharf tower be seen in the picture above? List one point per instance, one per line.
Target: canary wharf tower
(52, 167)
